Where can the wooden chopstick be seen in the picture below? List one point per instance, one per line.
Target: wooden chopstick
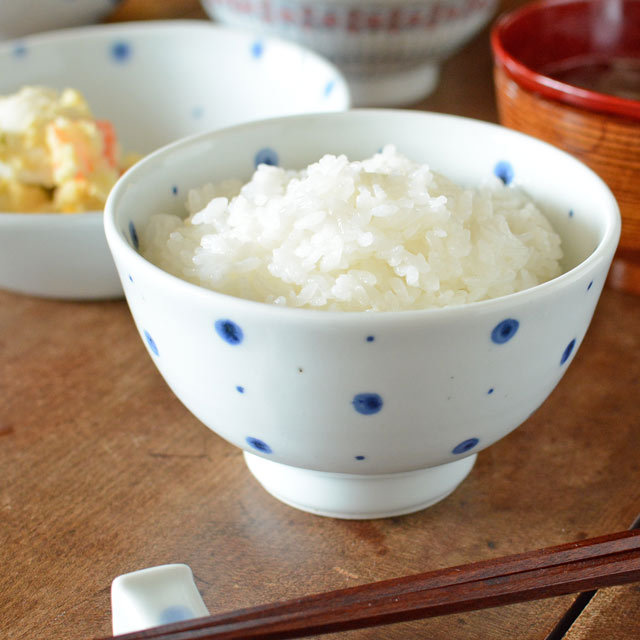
(569, 568)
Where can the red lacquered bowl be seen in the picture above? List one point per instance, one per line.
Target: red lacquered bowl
(568, 72)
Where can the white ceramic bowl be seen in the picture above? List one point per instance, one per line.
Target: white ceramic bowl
(156, 82)
(21, 17)
(362, 415)
(389, 50)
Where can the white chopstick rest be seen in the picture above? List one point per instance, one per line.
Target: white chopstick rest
(154, 596)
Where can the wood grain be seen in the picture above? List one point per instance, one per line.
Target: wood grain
(608, 560)
(156, 10)
(609, 144)
(105, 472)
(611, 614)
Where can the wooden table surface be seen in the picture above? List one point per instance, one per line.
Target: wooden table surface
(103, 471)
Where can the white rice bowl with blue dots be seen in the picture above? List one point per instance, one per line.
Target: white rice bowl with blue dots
(382, 234)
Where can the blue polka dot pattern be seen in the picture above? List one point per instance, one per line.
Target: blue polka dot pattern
(175, 614)
(19, 50)
(151, 343)
(370, 338)
(590, 285)
(174, 190)
(328, 88)
(571, 213)
(504, 331)
(120, 51)
(229, 331)
(367, 403)
(134, 236)
(130, 278)
(240, 389)
(490, 391)
(359, 457)
(504, 171)
(266, 156)
(465, 446)
(259, 445)
(567, 351)
(257, 49)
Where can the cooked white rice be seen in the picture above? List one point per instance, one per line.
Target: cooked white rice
(384, 234)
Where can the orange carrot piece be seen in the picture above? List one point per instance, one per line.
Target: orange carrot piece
(109, 139)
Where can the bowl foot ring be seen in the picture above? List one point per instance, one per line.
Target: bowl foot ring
(358, 497)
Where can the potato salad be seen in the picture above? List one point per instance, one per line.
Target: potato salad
(54, 155)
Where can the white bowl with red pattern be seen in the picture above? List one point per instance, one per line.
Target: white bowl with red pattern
(389, 50)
